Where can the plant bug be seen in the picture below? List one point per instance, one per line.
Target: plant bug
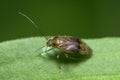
(68, 44)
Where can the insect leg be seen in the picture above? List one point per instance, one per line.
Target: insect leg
(68, 57)
(47, 50)
(58, 56)
(39, 48)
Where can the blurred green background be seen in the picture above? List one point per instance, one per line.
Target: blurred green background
(85, 19)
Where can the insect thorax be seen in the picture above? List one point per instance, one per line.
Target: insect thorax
(54, 41)
(51, 42)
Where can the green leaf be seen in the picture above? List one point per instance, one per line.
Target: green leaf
(19, 61)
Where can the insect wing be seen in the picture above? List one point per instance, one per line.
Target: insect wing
(68, 44)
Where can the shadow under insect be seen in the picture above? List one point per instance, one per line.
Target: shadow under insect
(68, 57)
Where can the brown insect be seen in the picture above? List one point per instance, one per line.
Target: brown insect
(68, 44)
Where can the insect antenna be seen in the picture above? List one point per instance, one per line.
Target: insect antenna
(35, 25)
